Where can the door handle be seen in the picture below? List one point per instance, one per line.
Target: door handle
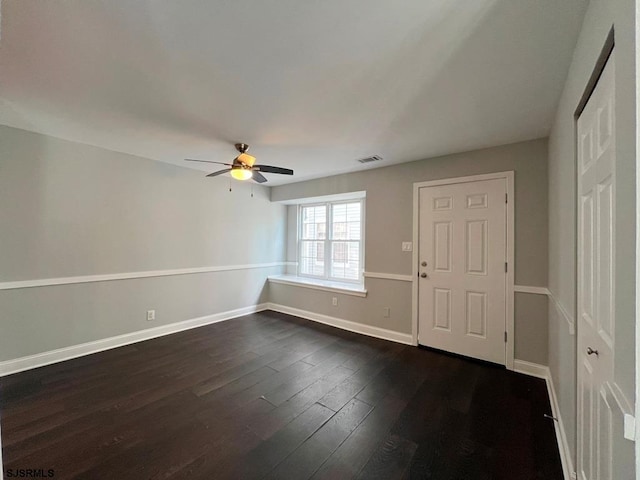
(423, 275)
(424, 264)
(591, 351)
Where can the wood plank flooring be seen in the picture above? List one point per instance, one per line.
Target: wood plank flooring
(270, 396)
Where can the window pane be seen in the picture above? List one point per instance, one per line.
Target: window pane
(312, 258)
(345, 260)
(340, 212)
(314, 222)
(346, 219)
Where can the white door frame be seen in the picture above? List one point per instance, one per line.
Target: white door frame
(509, 177)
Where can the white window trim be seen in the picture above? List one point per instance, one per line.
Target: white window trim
(324, 198)
(328, 241)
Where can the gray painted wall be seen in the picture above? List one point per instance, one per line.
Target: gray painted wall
(389, 218)
(600, 16)
(68, 209)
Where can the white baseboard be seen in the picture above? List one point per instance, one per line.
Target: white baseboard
(67, 353)
(542, 371)
(531, 369)
(377, 332)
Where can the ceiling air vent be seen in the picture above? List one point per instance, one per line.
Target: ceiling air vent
(375, 158)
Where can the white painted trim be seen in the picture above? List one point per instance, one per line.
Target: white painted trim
(47, 282)
(554, 301)
(468, 179)
(389, 276)
(416, 260)
(531, 369)
(564, 313)
(59, 355)
(510, 229)
(561, 436)
(530, 289)
(348, 325)
(542, 371)
(511, 260)
(319, 284)
(338, 197)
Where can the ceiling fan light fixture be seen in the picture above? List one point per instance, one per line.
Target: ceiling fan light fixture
(247, 159)
(241, 174)
(243, 166)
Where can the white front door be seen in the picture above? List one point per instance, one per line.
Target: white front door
(462, 280)
(596, 239)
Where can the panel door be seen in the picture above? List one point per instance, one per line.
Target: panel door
(596, 316)
(462, 255)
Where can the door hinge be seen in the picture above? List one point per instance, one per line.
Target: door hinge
(506, 198)
(505, 337)
(506, 268)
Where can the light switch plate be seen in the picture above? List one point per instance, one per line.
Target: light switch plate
(629, 427)
(407, 246)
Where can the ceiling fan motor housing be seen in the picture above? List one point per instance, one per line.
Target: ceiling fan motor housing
(242, 147)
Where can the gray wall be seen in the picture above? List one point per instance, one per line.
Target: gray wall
(389, 218)
(68, 209)
(600, 16)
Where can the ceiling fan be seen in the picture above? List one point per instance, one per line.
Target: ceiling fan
(244, 168)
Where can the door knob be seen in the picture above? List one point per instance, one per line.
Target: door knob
(591, 351)
(423, 275)
(424, 264)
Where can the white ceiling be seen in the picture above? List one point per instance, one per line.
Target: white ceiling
(312, 85)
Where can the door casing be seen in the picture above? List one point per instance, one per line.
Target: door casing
(509, 177)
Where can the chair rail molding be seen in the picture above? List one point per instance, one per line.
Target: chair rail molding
(389, 276)
(531, 289)
(47, 282)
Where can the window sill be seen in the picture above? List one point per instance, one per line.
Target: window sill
(318, 284)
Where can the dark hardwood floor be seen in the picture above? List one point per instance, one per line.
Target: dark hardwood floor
(276, 397)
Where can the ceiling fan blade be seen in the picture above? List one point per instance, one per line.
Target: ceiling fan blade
(206, 161)
(270, 169)
(220, 172)
(258, 177)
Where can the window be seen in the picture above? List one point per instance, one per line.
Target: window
(330, 241)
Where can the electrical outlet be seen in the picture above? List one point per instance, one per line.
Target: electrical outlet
(334, 301)
(151, 315)
(386, 312)
(407, 246)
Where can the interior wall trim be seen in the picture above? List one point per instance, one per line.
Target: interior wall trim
(389, 276)
(355, 327)
(542, 371)
(560, 308)
(21, 364)
(47, 282)
(564, 313)
(530, 289)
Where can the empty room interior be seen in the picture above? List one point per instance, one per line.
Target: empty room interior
(319, 240)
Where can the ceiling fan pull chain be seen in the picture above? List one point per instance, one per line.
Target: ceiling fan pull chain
(229, 184)
(252, 190)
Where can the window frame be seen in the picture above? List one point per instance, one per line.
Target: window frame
(328, 241)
